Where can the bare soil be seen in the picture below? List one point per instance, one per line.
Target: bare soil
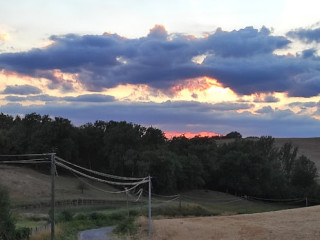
(293, 224)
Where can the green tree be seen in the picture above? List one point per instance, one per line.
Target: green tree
(304, 172)
(7, 227)
(287, 156)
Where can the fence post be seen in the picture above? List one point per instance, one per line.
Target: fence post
(307, 202)
(180, 202)
(149, 206)
(127, 202)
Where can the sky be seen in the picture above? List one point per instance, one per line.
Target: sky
(185, 66)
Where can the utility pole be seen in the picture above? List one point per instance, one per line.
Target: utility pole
(149, 206)
(127, 202)
(53, 172)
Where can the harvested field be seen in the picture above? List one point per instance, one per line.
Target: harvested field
(302, 223)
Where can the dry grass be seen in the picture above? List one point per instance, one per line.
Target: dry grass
(46, 234)
(293, 224)
(29, 186)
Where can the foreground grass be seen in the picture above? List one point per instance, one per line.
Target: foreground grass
(205, 203)
(68, 225)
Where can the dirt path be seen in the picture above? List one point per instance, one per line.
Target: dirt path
(96, 234)
(294, 224)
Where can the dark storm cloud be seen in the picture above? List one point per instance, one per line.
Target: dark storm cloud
(91, 98)
(21, 90)
(306, 35)
(170, 117)
(245, 42)
(241, 59)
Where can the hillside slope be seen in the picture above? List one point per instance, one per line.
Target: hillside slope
(29, 186)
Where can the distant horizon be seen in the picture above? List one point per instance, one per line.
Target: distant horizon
(168, 134)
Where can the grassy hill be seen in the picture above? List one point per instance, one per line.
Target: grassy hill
(29, 186)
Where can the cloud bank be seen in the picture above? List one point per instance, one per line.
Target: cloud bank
(242, 60)
(181, 117)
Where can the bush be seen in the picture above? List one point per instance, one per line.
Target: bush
(117, 216)
(127, 226)
(97, 216)
(186, 210)
(7, 227)
(65, 216)
(22, 234)
(80, 216)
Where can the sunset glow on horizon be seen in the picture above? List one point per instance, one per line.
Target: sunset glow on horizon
(189, 135)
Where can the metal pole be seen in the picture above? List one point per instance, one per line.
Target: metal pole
(53, 171)
(149, 206)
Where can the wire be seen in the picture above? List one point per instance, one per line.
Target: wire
(26, 155)
(102, 190)
(100, 173)
(172, 196)
(98, 179)
(26, 161)
(207, 199)
(237, 200)
(168, 201)
(275, 200)
(140, 194)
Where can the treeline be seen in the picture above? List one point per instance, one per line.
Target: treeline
(254, 166)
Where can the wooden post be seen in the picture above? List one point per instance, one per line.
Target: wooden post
(127, 202)
(180, 202)
(53, 171)
(307, 202)
(149, 206)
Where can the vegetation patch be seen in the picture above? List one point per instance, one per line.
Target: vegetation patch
(185, 210)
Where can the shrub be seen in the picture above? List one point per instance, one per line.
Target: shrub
(64, 216)
(7, 227)
(127, 226)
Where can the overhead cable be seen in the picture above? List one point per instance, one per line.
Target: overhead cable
(102, 190)
(166, 196)
(100, 173)
(26, 155)
(99, 179)
(26, 161)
